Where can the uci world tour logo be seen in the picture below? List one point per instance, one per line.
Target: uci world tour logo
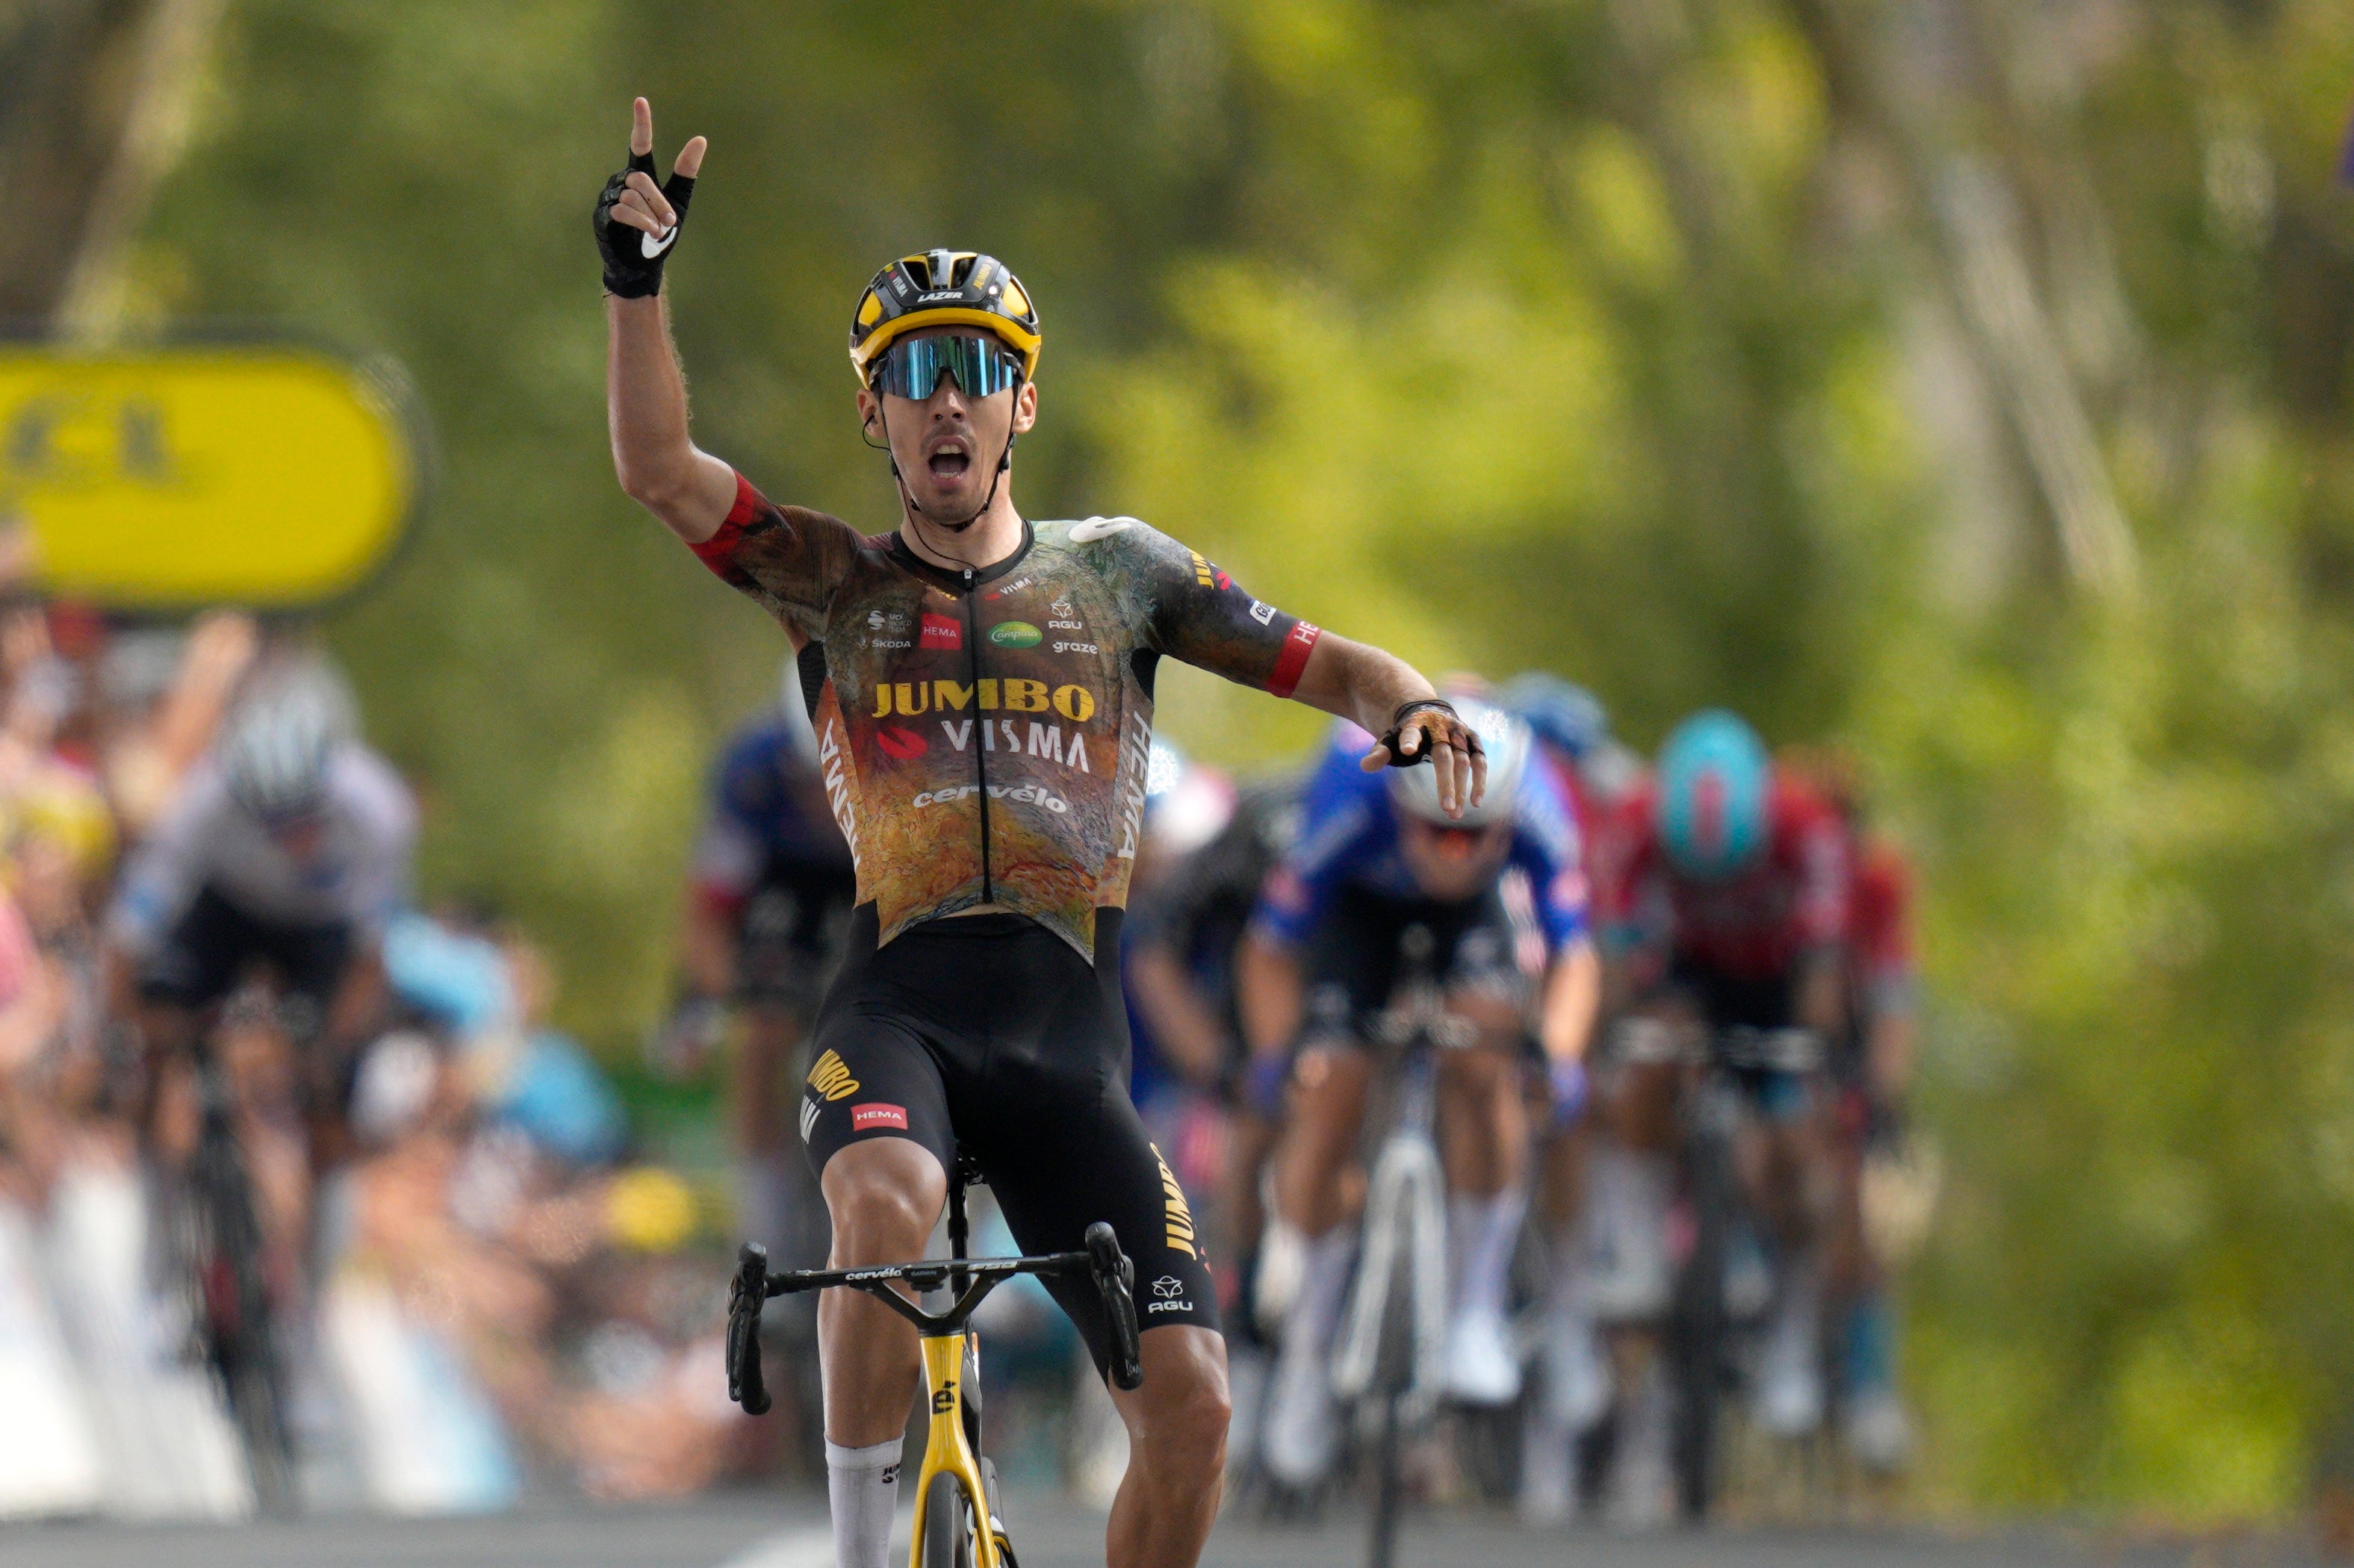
(1014, 634)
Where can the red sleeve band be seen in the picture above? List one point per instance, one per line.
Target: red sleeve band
(1293, 659)
(718, 552)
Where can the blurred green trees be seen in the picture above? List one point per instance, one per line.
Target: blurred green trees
(1966, 380)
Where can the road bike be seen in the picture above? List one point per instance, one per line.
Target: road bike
(1710, 1305)
(1389, 1360)
(218, 1247)
(960, 1517)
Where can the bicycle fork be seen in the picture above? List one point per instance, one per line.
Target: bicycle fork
(948, 1365)
(1405, 1221)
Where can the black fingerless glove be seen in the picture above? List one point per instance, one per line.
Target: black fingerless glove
(634, 259)
(1397, 723)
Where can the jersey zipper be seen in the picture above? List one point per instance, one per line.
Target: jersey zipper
(979, 768)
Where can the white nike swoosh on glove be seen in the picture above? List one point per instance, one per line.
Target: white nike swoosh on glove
(651, 246)
(1095, 528)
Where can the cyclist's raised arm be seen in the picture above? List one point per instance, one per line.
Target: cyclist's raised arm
(1199, 614)
(637, 223)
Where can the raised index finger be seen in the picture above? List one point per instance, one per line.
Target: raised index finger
(641, 128)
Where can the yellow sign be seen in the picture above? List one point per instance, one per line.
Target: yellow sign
(261, 475)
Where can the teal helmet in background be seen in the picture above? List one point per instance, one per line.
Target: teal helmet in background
(1715, 775)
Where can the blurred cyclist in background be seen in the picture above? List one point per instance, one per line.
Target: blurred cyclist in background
(1499, 888)
(287, 849)
(1597, 777)
(768, 906)
(1735, 911)
(1871, 1067)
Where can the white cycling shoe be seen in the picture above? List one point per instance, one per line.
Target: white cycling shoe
(1481, 1366)
(1641, 1495)
(1301, 1433)
(1789, 1373)
(1576, 1378)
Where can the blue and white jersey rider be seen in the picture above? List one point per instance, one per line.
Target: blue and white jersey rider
(1347, 839)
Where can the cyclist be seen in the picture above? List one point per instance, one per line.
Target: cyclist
(1597, 777)
(1499, 888)
(287, 848)
(1873, 1069)
(1735, 909)
(768, 906)
(983, 709)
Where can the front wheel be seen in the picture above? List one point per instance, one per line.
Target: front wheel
(948, 1524)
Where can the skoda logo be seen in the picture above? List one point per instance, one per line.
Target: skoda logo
(1014, 634)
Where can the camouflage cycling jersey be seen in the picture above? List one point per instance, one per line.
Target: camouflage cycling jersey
(983, 733)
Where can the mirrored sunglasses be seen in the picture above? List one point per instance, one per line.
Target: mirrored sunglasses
(912, 367)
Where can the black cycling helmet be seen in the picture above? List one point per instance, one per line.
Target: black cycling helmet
(943, 288)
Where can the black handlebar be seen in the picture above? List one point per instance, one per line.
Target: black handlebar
(1103, 1261)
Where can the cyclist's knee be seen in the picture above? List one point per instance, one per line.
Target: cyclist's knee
(1183, 1409)
(883, 1195)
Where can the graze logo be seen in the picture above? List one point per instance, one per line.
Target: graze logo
(1135, 763)
(1208, 576)
(1076, 648)
(1177, 1220)
(1016, 794)
(1262, 611)
(1014, 634)
(942, 631)
(905, 745)
(874, 1114)
(913, 699)
(830, 1076)
(1168, 1292)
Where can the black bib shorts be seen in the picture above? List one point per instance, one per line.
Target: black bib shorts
(991, 1033)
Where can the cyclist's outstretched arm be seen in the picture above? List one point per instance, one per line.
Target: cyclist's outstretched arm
(1367, 686)
(645, 392)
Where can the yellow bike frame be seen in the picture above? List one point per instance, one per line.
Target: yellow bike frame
(944, 1447)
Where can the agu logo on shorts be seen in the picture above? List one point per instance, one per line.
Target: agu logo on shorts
(1014, 634)
(1169, 1296)
(874, 1114)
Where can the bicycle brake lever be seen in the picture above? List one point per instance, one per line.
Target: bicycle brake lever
(746, 1297)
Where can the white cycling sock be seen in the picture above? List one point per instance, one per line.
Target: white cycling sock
(863, 1486)
(1484, 1229)
(1323, 1290)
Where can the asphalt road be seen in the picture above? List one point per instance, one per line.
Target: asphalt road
(742, 1531)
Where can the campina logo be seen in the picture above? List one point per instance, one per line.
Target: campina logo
(1014, 634)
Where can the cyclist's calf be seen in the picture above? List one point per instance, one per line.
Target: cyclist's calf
(1177, 1423)
(883, 1195)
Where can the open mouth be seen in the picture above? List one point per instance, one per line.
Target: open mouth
(950, 463)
